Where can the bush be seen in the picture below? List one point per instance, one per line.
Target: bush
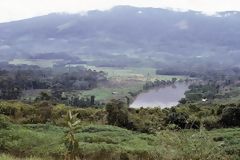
(193, 123)
(211, 122)
(194, 108)
(183, 101)
(17, 111)
(230, 116)
(4, 122)
(172, 127)
(44, 111)
(180, 119)
(117, 113)
(220, 109)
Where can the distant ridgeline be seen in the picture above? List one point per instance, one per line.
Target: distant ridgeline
(122, 37)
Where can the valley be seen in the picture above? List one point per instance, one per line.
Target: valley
(127, 83)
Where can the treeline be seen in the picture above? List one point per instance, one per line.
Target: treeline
(200, 72)
(175, 72)
(214, 85)
(158, 83)
(15, 80)
(78, 80)
(147, 120)
(188, 116)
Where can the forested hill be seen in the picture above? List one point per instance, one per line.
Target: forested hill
(143, 32)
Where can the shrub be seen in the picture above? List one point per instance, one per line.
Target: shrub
(210, 122)
(230, 116)
(193, 123)
(172, 127)
(117, 113)
(4, 122)
(194, 108)
(17, 111)
(179, 119)
(220, 109)
(183, 101)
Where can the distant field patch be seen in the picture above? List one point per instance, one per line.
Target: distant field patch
(106, 93)
(133, 73)
(39, 62)
(124, 80)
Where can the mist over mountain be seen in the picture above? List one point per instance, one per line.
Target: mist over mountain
(131, 35)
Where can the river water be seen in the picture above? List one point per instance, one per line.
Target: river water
(163, 97)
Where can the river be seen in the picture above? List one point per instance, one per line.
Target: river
(163, 97)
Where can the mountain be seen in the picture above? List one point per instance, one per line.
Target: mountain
(131, 35)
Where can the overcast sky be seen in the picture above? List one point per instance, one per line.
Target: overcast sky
(20, 9)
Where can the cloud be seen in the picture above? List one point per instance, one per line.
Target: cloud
(20, 9)
(4, 47)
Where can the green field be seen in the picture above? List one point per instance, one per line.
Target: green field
(124, 80)
(120, 90)
(39, 62)
(140, 73)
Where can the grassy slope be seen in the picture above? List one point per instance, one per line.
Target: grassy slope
(105, 93)
(102, 141)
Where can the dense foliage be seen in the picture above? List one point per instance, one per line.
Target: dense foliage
(103, 142)
(16, 81)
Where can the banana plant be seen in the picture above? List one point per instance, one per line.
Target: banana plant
(71, 142)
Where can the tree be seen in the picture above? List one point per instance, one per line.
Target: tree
(183, 101)
(44, 96)
(117, 113)
(44, 111)
(174, 80)
(92, 101)
(180, 119)
(231, 116)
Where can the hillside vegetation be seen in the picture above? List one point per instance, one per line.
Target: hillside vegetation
(108, 142)
(39, 131)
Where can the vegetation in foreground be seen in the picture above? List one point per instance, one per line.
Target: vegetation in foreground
(40, 130)
(9, 157)
(109, 142)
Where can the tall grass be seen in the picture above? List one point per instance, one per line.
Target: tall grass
(190, 145)
(9, 157)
